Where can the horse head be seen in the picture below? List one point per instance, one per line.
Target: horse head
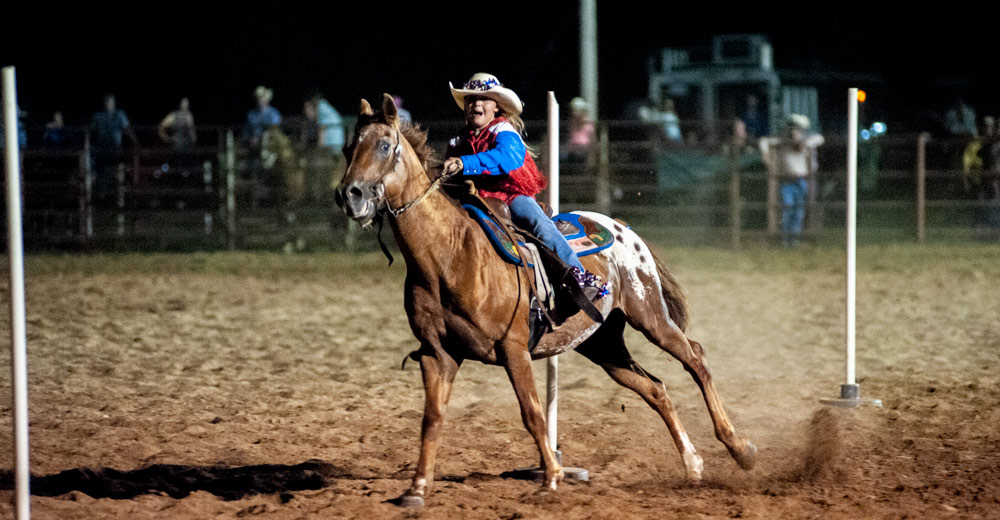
(376, 175)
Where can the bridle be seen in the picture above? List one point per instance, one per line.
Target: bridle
(378, 188)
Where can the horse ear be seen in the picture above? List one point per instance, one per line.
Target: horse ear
(366, 109)
(390, 110)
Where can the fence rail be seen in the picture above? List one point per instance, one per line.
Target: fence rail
(208, 198)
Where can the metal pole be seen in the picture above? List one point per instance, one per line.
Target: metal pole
(18, 339)
(588, 54)
(922, 186)
(850, 391)
(231, 189)
(552, 363)
(852, 224)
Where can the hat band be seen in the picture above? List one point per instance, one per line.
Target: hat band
(482, 84)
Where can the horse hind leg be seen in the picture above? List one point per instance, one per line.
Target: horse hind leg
(666, 335)
(607, 349)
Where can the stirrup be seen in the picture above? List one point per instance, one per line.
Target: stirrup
(591, 284)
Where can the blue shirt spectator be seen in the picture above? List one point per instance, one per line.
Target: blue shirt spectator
(56, 136)
(108, 126)
(22, 135)
(331, 126)
(262, 117)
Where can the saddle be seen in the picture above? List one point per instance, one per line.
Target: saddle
(562, 297)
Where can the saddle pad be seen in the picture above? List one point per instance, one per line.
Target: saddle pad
(584, 235)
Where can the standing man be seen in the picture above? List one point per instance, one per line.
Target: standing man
(107, 128)
(794, 159)
(262, 117)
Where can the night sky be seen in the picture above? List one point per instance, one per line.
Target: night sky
(216, 53)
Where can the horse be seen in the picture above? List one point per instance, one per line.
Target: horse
(464, 302)
(278, 156)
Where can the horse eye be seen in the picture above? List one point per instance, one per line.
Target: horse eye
(385, 147)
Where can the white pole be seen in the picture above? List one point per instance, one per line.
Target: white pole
(18, 340)
(552, 363)
(588, 54)
(852, 224)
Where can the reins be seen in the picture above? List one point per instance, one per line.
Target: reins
(379, 187)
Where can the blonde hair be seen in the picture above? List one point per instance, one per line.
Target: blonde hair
(518, 124)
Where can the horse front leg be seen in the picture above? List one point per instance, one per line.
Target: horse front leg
(439, 374)
(518, 366)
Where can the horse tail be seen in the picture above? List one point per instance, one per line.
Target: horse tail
(673, 294)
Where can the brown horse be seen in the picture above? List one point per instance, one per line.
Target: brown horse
(463, 302)
(279, 157)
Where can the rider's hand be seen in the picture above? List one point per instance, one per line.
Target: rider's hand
(452, 165)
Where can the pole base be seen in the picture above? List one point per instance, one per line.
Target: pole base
(535, 473)
(850, 398)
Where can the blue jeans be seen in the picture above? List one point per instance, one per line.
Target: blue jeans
(528, 215)
(793, 209)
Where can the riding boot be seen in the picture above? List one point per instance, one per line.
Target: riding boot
(591, 284)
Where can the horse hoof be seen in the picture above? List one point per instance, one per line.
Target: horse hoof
(747, 458)
(410, 501)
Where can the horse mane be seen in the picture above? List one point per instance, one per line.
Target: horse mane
(412, 132)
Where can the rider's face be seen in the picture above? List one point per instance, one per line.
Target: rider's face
(479, 110)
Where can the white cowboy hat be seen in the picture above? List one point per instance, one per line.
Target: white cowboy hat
(799, 120)
(263, 92)
(487, 85)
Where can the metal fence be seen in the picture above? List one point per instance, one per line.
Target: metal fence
(911, 187)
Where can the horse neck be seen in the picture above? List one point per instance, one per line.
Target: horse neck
(428, 233)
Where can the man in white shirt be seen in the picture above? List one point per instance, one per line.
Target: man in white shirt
(795, 156)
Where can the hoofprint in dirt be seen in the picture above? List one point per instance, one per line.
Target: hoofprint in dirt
(235, 385)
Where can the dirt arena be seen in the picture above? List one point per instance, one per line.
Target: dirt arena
(250, 385)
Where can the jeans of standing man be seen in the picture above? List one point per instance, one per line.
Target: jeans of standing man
(528, 215)
(793, 210)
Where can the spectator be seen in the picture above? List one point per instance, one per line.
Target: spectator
(177, 128)
(754, 119)
(261, 117)
(794, 160)
(55, 136)
(324, 132)
(330, 125)
(666, 119)
(22, 135)
(960, 120)
(404, 114)
(107, 128)
(581, 132)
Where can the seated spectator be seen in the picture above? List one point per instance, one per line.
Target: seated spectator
(665, 118)
(581, 132)
(56, 135)
(22, 135)
(404, 114)
(960, 120)
(754, 120)
(177, 128)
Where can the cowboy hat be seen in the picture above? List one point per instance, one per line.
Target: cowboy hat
(487, 85)
(799, 120)
(578, 104)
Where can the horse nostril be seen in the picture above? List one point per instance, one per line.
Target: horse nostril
(338, 198)
(354, 193)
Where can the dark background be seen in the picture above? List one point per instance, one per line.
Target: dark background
(216, 53)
